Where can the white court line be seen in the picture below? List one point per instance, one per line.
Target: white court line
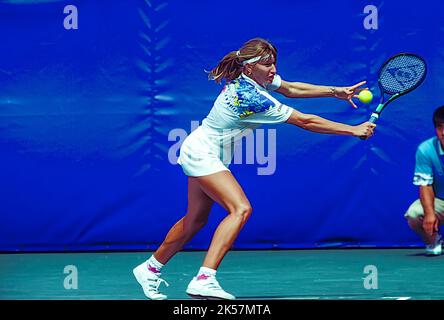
(296, 298)
(336, 298)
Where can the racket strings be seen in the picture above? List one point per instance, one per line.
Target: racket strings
(402, 73)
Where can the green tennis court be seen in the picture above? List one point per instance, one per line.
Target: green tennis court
(401, 274)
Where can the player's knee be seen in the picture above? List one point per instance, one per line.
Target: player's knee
(243, 211)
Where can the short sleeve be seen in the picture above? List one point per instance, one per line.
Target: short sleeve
(275, 84)
(263, 108)
(423, 169)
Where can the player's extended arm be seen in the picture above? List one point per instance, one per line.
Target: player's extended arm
(427, 197)
(318, 124)
(306, 90)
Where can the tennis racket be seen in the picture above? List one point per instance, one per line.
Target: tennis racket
(399, 75)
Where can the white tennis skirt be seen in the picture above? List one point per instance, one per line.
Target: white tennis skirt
(199, 156)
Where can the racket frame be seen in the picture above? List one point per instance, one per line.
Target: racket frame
(375, 115)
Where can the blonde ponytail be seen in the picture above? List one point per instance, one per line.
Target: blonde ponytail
(229, 68)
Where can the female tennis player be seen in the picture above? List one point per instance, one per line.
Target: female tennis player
(206, 153)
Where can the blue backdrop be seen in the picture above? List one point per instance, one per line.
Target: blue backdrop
(91, 118)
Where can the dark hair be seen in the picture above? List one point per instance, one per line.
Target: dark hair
(230, 67)
(438, 116)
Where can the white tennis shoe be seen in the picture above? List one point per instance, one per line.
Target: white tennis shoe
(207, 287)
(149, 281)
(435, 249)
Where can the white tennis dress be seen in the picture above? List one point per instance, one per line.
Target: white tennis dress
(243, 104)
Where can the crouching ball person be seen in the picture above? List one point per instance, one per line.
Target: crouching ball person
(426, 214)
(244, 103)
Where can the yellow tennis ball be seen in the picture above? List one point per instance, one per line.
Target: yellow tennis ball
(365, 96)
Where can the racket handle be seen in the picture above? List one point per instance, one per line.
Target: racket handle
(372, 119)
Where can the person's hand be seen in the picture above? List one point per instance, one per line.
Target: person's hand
(348, 93)
(364, 130)
(430, 224)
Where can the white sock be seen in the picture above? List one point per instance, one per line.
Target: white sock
(205, 273)
(154, 265)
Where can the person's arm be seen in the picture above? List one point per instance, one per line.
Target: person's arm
(424, 179)
(427, 198)
(318, 124)
(306, 90)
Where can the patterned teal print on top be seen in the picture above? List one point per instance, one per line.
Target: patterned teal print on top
(245, 99)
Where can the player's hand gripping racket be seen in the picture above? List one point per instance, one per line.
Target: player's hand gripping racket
(399, 75)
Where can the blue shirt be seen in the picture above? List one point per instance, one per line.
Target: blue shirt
(429, 166)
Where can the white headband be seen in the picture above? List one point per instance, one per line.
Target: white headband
(252, 60)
